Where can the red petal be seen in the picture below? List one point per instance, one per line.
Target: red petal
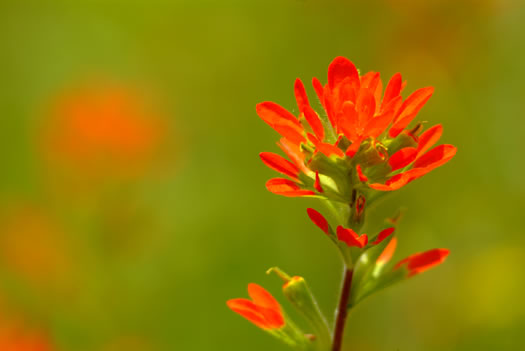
(319, 90)
(352, 149)
(279, 164)
(372, 81)
(409, 109)
(397, 181)
(274, 318)
(348, 121)
(273, 113)
(377, 125)
(429, 138)
(393, 89)
(262, 297)
(388, 252)
(315, 123)
(281, 120)
(300, 95)
(420, 262)
(436, 157)
(250, 311)
(317, 183)
(329, 108)
(318, 220)
(360, 173)
(285, 187)
(351, 238)
(294, 153)
(384, 234)
(365, 106)
(329, 150)
(402, 158)
(339, 69)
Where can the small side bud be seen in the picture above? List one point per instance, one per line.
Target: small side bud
(296, 290)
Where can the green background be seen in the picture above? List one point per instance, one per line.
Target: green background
(194, 237)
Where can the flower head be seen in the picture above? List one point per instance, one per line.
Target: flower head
(263, 310)
(360, 141)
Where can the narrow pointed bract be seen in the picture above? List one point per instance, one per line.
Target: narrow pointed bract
(420, 262)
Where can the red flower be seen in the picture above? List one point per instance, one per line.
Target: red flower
(364, 127)
(420, 262)
(262, 310)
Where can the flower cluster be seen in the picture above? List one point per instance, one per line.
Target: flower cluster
(359, 142)
(359, 148)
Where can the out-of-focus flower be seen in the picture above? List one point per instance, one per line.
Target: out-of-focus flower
(33, 247)
(19, 340)
(263, 310)
(103, 129)
(17, 335)
(363, 144)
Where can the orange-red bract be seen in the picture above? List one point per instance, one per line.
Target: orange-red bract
(262, 310)
(385, 233)
(318, 220)
(420, 262)
(351, 238)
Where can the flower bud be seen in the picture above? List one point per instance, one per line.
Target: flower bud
(296, 290)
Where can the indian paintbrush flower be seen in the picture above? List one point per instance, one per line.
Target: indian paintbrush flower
(359, 147)
(360, 141)
(265, 312)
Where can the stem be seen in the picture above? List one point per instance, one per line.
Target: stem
(342, 310)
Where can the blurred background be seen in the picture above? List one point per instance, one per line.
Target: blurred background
(132, 198)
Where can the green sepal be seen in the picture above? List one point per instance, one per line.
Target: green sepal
(380, 282)
(336, 168)
(368, 274)
(292, 336)
(369, 154)
(399, 142)
(297, 291)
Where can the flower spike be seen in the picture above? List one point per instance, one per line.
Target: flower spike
(358, 146)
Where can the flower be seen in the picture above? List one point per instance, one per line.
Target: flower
(263, 310)
(360, 141)
(100, 128)
(18, 334)
(34, 247)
